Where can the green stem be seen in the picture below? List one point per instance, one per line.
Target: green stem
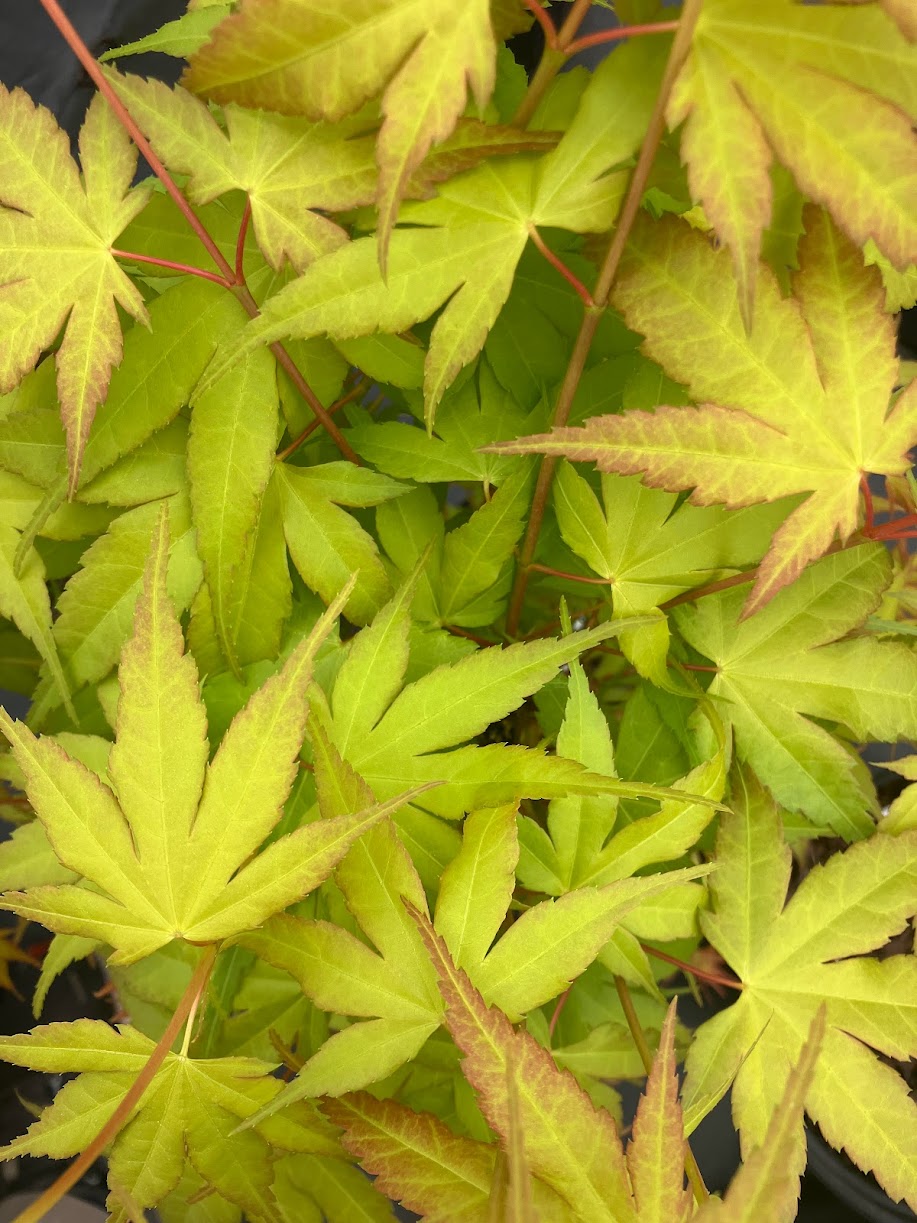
(119, 1118)
(692, 1171)
(553, 58)
(681, 45)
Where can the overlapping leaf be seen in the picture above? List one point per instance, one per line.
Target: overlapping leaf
(391, 734)
(393, 989)
(790, 664)
(790, 960)
(56, 266)
(169, 857)
(185, 1120)
(462, 248)
(796, 406)
(830, 91)
(301, 59)
(652, 550)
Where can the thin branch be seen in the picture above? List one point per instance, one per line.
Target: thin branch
(702, 974)
(547, 25)
(593, 314)
(553, 58)
(84, 55)
(712, 588)
(95, 73)
(621, 31)
(570, 577)
(186, 269)
(570, 277)
(561, 1003)
(119, 1118)
(693, 1172)
(240, 241)
(361, 388)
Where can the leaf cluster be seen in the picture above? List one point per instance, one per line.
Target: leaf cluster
(454, 545)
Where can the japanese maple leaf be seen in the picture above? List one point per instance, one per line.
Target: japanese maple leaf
(830, 91)
(393, 988)
(305, 58)
(168, 847)
(418, 1160)
(186, 1118)
(786, 666)
(798, 405)
(57, 271)
(460, 250)
(793, 959)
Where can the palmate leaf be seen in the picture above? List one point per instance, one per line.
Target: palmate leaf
(56, 267)
(786, 666)
(571, 1146)
(393, 989)
(651, 549)
(169, 858)
(830, 91)
(327, 545)
(185, 1120)
(463, 247)
(792, 959)
(96, 609)
(302, 59)
(405, 731)
(796, 406)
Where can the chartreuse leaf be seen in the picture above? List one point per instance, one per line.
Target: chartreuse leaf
(830, 90)
(324, 63)
(458, 701)
(571, 1146)
(796, 406)
(550, 944)
(292, 170)
(786, 666)
(334, 1190)
(97, 606)
(181, 37)
(656, 1151)
(234, 430)
(793, 959)
(170, 859)
(651, 549)
(461, 249)
(56, 233)
(326, 543)
(24, 600)
(578, 849)
(767, 1184)
(185, 1120)
(902, 815)
(392, 988)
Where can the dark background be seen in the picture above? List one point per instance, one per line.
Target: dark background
(33, 55)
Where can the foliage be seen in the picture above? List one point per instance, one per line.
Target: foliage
(399, 768)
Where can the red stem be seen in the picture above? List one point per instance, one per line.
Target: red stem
(187, 268)
(84, 55)
(570, 577)
(547, 25)
(713, 978)
(361, 387)
(555, 262)
(624, 31)
(240, 242)
(561, 1003)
